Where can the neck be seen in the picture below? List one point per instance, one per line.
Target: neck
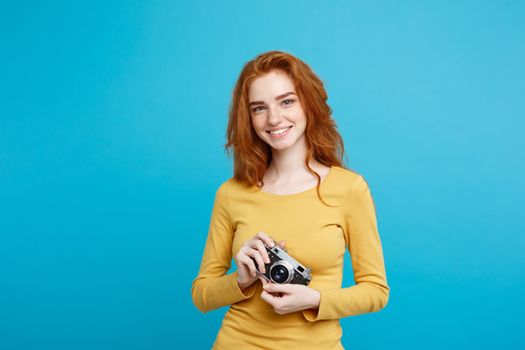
(288, 164)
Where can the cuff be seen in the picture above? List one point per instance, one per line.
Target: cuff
(321, 313)
(236, 290)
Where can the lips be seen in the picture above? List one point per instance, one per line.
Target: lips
(279, 133)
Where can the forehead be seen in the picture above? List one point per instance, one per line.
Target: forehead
(270, 85)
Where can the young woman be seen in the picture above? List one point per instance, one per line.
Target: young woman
(289, 188)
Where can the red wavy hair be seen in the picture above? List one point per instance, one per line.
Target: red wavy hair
(252, 155)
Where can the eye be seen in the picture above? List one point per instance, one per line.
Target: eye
(288, 102)
(256, 109)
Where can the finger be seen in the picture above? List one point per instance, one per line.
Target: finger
(281, 244)
(274, 301)
(267, 297)
(241, 252)
(285, 288)
(258, 258)
(262, 250)
(247, 251)
(246, 261)
(266, 239)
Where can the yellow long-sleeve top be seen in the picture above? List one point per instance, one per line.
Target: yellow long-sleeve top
(317, 236)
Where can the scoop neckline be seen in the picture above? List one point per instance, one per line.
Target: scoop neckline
(308, 190)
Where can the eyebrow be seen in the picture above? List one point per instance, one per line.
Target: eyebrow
(276, 98)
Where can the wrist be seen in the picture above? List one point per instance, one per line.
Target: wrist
(315, 299)
(243, 285)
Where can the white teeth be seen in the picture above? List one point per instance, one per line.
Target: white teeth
(280, 131)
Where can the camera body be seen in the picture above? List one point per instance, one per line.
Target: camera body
(284, 269)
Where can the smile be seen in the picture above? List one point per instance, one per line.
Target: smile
(280, 132)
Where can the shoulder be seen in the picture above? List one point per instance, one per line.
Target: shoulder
(340, 184)
(349, 180)
(357, 194)
(232, 187)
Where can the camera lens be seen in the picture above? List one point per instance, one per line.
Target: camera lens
(279, 274)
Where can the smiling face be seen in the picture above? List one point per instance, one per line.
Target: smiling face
(276, 113)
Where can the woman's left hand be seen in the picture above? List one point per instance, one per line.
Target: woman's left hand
(287, 298)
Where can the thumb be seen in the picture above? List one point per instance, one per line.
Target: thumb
(278, 288)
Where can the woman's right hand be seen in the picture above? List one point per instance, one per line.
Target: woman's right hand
(253, 248)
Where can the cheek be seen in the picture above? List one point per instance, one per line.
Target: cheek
(257, 124)
(300, 120)
(299, 116)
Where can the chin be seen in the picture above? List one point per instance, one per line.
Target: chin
(281, 146)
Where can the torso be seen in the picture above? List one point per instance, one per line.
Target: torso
(315, 235)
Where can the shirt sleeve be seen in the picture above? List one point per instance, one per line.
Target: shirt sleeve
(370, 292)
(213, 288)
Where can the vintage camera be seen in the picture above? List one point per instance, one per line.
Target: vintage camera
(283, 268)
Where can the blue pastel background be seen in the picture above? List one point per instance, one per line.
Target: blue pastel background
(112, 125)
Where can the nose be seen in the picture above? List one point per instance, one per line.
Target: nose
(274, 115)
